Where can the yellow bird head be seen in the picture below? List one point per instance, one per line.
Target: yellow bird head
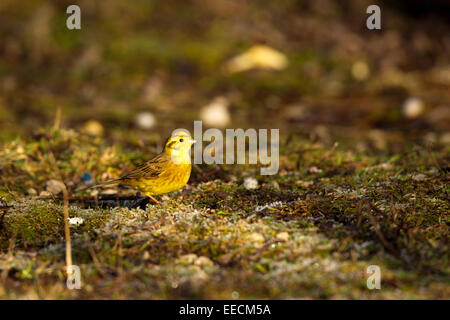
(178, 147)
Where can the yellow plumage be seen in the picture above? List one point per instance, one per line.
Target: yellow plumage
(167, 172)
(157, 176)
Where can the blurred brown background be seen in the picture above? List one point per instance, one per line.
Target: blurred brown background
(139, 69)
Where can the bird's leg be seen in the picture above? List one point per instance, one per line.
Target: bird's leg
(168, 212)
(154, 200)
(142, 201)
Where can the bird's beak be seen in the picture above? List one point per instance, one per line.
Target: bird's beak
(192, 141)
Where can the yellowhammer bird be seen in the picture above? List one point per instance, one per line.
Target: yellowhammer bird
(167, 172)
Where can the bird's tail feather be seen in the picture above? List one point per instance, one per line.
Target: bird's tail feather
(113, 181)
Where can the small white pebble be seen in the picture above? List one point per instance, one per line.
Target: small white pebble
(413, 108)
(276, 204)
(250, 183)
(76, 221)
(216, 113)
(109, 191)
(386, 166)
(44, 194)
(203, 262)
(256, 237)
(282, 236)
(32, 192)
(303, 183)
(188, 258)
(419, 177)
(145, 120)
(146, 255)
(55, 186)
(199, 277)
(314, 169)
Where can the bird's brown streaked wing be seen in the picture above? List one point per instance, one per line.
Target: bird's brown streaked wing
(152, 168)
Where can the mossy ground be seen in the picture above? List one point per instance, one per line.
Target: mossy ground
(310, 235)
(360, 182)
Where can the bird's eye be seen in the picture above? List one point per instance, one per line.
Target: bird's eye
(181, 140)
